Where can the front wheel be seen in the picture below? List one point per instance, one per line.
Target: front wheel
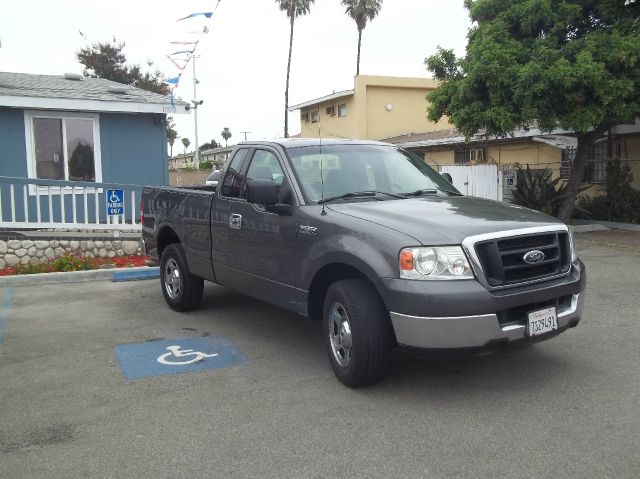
(356, 331)
(182, 291)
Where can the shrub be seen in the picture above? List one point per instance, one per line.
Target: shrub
(206, 165)
(536, 190)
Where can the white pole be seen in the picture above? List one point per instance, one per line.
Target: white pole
(195, 114)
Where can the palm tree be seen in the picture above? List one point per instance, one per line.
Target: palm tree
(293, 9)
(186, 143)
(226, 134)
(362, 11)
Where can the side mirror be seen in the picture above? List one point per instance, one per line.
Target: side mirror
(447, 177)
(264, 192)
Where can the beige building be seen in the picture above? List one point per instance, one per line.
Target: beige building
(532, 147)
(378, 107)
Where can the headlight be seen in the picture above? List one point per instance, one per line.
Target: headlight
(437, 262)
(572, 246)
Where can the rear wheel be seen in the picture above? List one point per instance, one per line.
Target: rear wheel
(182, 291)
(356, 331)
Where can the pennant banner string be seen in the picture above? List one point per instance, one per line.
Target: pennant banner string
(206, 14)
(174, 82)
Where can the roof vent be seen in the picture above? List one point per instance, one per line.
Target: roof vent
(73, 76)
(118, 89)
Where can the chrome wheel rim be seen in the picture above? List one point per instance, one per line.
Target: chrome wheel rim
(340, 334)
(172, 279)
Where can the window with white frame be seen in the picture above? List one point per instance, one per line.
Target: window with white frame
(63, 146)
(314, 116)
(342, 109)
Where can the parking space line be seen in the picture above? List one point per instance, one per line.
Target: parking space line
(4, 309)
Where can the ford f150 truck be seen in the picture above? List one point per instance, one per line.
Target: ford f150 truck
(367, 238)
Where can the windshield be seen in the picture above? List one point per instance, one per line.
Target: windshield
(362, 168)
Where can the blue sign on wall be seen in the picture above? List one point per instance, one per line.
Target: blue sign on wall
(115, 202)
(176, 356)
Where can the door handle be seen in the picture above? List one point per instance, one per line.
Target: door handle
(235, 221)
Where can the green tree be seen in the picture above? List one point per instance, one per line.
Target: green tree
(361, 11)
(573, 64)
(293, 9)
(211, 145)
(226, 134)
(185, 141)
(172, 134)
(107, 60)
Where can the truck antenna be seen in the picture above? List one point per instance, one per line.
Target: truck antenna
(324, 211)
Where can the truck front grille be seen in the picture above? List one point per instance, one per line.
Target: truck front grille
(502, 259)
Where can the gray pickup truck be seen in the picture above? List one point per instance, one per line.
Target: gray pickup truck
(371, 241)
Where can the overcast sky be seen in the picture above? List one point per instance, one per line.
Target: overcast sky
(243, 61)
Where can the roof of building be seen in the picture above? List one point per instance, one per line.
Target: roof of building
(73, 91)
(322, 99)
(452, 136)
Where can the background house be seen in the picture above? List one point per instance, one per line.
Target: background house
(62, 136)
(75, 128)
(378, 107)
(538, 150)
(217, 156)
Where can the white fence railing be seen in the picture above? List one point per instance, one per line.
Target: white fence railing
(27, 203)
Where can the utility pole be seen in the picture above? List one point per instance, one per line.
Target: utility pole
(195, 113)
(245, 134)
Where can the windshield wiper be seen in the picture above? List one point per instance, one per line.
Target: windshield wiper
(430, 191)
(427, 191)
(359, 194)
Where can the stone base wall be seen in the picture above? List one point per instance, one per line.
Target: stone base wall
(42, 250)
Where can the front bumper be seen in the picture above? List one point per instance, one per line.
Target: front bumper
(464, 314)
(477, 331)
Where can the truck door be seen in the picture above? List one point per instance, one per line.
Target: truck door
(262, 247)
(228, 187)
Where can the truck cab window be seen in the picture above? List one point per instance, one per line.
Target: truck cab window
(233, 179)
(264, 166)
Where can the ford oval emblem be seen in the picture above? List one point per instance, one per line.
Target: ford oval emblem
(533, 257)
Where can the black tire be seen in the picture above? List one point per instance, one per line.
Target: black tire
(369, 332)
(184, 291)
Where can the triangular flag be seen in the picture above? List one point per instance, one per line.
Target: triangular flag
(206, 14)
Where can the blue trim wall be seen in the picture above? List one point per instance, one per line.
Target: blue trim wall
(13, 149)
(134, 148)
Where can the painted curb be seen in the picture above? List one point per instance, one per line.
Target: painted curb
(128, 275)
(70, 277)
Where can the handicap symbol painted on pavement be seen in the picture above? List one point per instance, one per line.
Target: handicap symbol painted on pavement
(177, 356)
(176, 352)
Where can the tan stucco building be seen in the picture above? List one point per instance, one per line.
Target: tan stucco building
(532, 147)
(377, 107)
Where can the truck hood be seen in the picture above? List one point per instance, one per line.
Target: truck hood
(444, 220)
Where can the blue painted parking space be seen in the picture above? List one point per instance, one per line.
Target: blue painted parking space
(177, 356)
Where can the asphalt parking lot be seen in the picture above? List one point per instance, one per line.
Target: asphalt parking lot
(568, 407)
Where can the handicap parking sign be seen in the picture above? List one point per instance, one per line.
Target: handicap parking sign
(176, 356)
(115, 202)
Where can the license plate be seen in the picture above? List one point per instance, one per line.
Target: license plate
(542, 321)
